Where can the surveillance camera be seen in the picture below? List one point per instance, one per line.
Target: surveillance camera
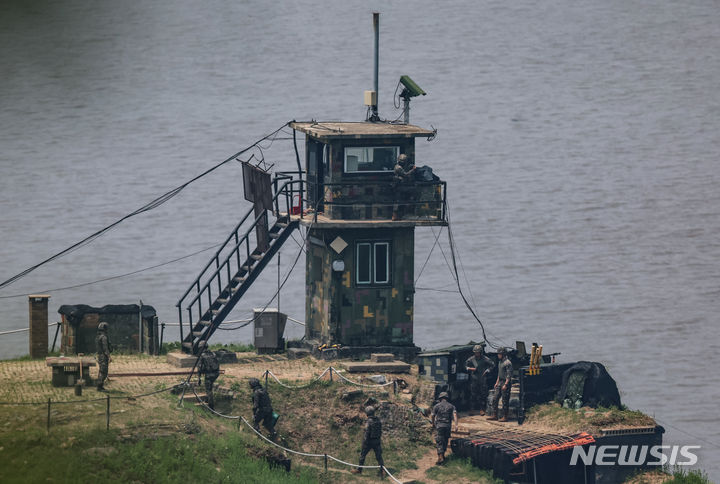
(411, 89)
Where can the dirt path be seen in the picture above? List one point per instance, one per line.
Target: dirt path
(426, 462)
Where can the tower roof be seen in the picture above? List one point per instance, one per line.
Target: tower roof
(359, 130)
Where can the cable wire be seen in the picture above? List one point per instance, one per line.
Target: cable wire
(145, 208)
(117, 276)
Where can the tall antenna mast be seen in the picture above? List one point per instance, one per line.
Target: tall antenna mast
(371, 97)
(376, 28)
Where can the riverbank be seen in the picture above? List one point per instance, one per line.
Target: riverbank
(148, 437)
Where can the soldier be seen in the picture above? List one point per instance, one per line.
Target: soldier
(262, 408)
(443, 415)
(502, 386)
(479, 366)
(402, 177)
(104, 348)
(210, 367)
(371, 440)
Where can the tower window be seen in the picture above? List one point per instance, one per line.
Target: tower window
(372, 263)
(364, 159)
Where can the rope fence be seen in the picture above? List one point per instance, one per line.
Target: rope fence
(326, 457)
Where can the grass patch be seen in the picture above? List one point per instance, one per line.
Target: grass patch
(236, 347)
(553, 416)
(456, 468)
(111, 457)
(681, 476)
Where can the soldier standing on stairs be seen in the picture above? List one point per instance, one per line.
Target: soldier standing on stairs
(210, 368)
(104, 348)
(502, 386)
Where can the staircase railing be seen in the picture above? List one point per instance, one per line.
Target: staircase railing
(234, 256)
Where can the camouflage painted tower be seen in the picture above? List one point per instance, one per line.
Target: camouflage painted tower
(360, 250)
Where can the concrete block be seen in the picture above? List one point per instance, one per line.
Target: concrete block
(382, 357)
(371, 367)
(181, 360)
(297, 353)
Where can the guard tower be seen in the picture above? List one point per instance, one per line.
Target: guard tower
(360, 250)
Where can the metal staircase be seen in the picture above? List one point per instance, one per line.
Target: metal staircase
(233, 269)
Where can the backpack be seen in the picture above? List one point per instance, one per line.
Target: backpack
(375, 428)
(210, 363)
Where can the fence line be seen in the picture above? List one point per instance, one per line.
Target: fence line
(296, 452)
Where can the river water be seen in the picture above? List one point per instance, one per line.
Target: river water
(579, 141)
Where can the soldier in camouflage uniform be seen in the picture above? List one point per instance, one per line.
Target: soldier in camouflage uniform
(443, 415)
(502, 386)
(262, 408)
(104, 348)
(479, 366)
(371, 440)
(210, 367)
(402, 180)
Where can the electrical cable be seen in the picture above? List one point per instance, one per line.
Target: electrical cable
(117, 276)
(145, 208)
(428, 256)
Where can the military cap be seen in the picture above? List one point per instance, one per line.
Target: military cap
(444, 395)
(369, 411)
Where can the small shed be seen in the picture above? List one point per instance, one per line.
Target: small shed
(132, 328)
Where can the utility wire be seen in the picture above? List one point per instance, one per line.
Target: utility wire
(145, 208)
(117, 276)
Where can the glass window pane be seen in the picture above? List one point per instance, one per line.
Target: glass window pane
(363, 263)
(382, 263)
(360, 159)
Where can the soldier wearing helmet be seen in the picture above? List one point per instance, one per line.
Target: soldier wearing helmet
(371, 441)
(443, 416)
(209, 366)
(402, 177)
(479, 366)
(262, 408)
(104, 348)
(502, 386)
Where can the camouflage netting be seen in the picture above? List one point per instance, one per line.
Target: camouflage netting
(76, 312)
(588, 383)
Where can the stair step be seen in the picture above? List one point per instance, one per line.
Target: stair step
(187, 345)
(274, 235)
(239, 279)
(214, 311)
(246, 268)
(282, 225)
(221, 300)
(256, 256)
(197, 334)
(205, 322)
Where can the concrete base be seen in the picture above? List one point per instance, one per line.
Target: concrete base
(181, 360)
(297, 353)
(404, 353)
(377, 367)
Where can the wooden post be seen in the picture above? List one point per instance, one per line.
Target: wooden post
(331, 379)
(266, 378)
(107, 414)
(38, 325)
(326, 460)
(48, 417)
